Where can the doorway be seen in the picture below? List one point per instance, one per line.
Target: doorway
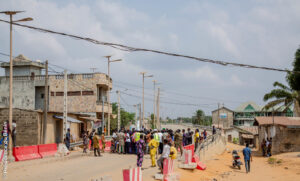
(59, 131)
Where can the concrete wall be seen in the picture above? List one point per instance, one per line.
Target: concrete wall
(233, 132)
(28, 126)
(225, 122)
(285, 140)
(76, 103)
(211, 150)
(23, 71)
(23, 93)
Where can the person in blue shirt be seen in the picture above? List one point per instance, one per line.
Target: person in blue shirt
(247, 157)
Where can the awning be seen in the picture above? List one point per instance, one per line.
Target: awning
(91, 119)
(69, 119)
(247, 136)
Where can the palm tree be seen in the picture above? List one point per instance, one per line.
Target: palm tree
(287, 95)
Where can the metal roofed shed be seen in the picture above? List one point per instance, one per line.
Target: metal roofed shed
(278, 120)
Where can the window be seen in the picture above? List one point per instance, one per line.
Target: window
(74, 93)
(87, 93)
(59, 93)
(52, 93)
(42, 96)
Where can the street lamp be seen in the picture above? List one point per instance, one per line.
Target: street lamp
(11, 13)
(144, 76)
(108, 99)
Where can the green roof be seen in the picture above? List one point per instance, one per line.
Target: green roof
(248, 107)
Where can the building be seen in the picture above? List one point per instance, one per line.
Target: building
(87, 96)
(244, 115)
(284, 131)
(242, 135)
(222, 117)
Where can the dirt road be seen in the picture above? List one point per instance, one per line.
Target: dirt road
(80, 168)
(287, 168)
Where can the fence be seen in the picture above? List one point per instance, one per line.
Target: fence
(212, 145)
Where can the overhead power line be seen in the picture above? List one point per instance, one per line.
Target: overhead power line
(134, 49)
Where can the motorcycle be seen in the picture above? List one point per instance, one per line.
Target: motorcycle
(236, 162)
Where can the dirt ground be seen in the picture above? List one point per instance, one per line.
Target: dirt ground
(78, 167)
(287, 168)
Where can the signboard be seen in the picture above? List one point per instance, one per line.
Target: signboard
(223, 115)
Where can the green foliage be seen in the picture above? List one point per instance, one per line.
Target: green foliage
(284, 95)
(235, 140)
(126, 117)
(294, 78)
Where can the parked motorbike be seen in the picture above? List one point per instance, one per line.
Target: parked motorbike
(236, 162)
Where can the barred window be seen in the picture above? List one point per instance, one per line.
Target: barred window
(87, 93)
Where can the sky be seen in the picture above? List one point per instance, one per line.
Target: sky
(256, 32)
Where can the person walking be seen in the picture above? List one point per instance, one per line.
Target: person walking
(85, 141)
(247, 157)
(178, 141)
(196, 139)
(140, 150)
(127, 142)
(96, 145)
(153, 145)
(103, 142)
(91, 136)
(121, 142)
(165, 154)
(68, 139)
(263, 147)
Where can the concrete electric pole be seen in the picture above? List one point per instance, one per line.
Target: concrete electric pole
(119, 114)
(144, 76)
(157, 117)
(108, 98)
(65, 104)
(154, 102)
(45, 104)
(10, 114)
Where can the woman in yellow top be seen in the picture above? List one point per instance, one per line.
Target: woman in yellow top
(153, 144)
(196, 138)
(173, 152)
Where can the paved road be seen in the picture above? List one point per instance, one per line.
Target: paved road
(79, 168)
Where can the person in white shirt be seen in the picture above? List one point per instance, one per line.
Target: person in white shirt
(165, 154)
(160, 148)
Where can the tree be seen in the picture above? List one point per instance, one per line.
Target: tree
(287, 95)
(126, 117)
(199, 117)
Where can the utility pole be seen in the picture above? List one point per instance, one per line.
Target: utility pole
(144, 76)
(108, 98)
(119, 115)
(45, 104)
(136, 121)
(10, 114)
(158, 118)
(65, 104)
(218, 114)
(154, 102)
(140, 123)
(103, 121)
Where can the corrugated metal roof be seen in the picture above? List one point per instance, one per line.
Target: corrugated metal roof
(69, 119)
(278, 120)
(243, 106)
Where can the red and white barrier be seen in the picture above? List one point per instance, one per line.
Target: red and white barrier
(1, 155)
(132, 174)
(187, 156)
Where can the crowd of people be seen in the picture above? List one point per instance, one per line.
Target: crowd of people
(159, 144)
(266, 147)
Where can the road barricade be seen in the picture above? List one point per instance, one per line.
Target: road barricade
(132, 174)
(46, 150)
(200, 165)
(190, 147)
(1, 155)
(26, 153)
(187, 160)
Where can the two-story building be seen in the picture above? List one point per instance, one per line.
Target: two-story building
(86, 94)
